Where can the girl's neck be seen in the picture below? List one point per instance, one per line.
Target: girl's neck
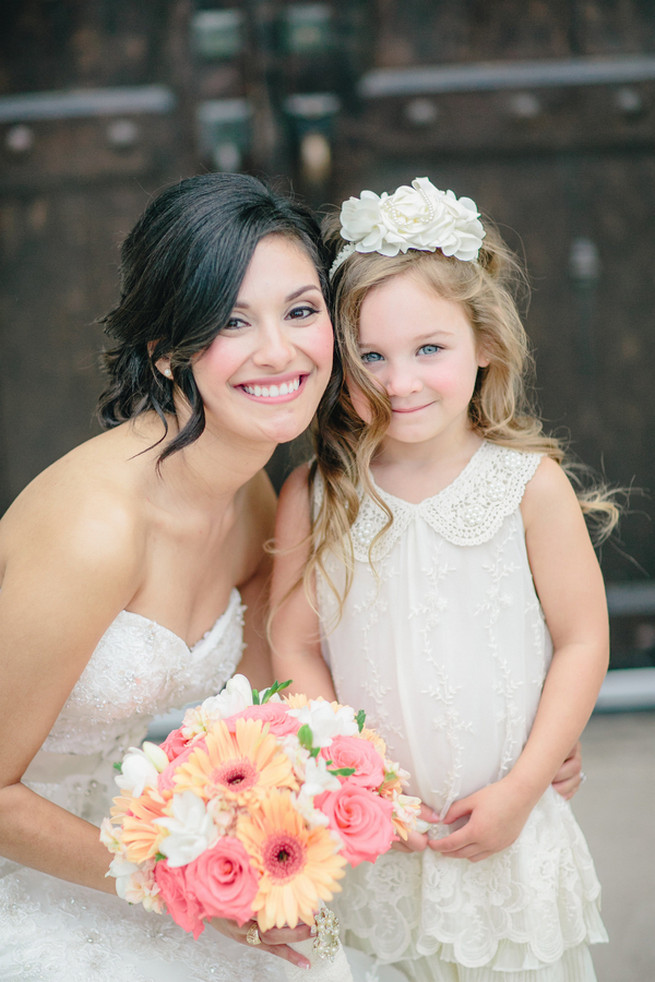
(415, 472)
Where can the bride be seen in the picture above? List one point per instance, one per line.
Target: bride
(132, 569)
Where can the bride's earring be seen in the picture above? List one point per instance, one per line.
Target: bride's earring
(168, 373)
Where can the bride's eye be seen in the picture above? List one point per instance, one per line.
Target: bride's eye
(429, 349)
(302, 312)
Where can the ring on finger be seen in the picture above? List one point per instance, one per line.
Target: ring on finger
(252, 935)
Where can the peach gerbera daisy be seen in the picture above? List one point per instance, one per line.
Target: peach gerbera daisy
(298, 865)
(141, 836)
(236, 764)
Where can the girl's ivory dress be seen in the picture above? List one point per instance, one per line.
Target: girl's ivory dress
(444, 644)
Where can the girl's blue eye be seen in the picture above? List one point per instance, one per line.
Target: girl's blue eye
(368, 357)
(429, 349)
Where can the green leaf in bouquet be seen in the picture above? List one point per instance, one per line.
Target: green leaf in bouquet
(341, 771)
(360, 719)
(118, 766)
(274, 689)
(255, 697)
(306, 737)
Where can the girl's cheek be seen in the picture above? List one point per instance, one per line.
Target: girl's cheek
(359, 401)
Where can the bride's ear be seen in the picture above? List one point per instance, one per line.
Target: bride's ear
(163, 364)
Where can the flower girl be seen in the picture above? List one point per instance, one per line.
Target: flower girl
(433, 566)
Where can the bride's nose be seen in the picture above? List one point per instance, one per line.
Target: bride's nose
(274, 348)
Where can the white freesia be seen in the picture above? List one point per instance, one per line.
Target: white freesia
(235, 697)
(137, 884)
(418, 217)
(137, 772)
(191, 829)
(325, 722)
(110, 836)
(318, 778)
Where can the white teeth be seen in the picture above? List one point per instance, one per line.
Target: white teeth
(270, 391)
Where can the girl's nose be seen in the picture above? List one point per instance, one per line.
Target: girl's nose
(402, 381)
(274, 349)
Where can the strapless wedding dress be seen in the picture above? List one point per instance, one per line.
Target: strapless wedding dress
(52, 930)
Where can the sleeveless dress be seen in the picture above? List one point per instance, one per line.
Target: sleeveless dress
(443, 642)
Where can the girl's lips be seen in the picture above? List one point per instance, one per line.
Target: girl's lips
(274, 391)
(412, 409)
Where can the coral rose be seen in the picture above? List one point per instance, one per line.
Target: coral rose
(280, 721)
(361, 818)
(223, 881)
(180, 900)
(174, 744)
(350, 751)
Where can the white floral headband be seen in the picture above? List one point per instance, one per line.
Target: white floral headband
(417, 217)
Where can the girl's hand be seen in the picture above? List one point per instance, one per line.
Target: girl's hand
(276, 941)
(417, 841)
(494, 817)
(569, 777)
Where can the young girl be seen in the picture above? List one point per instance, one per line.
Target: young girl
(434, 567)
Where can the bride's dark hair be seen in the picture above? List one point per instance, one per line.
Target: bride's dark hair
(181, 269)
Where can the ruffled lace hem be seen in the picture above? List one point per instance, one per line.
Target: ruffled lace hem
(517, 911)
(575, 965)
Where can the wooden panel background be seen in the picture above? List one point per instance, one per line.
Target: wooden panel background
(566, 169)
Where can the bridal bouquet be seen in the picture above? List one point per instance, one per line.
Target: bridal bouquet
(252, 809)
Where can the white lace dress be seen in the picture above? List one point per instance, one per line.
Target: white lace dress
(53, 930)
(445, 646)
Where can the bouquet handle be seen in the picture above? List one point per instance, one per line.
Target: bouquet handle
(325, 952)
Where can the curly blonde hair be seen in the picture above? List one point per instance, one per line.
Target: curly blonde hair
(500, 411)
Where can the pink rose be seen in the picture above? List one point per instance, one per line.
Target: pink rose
(276, 714)
(180, 901)
(361, 818)
(352, 751)
(223, 881)
(166, 780)
(174, 744)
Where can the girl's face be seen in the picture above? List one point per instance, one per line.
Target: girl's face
(264, 373)
(421, 350)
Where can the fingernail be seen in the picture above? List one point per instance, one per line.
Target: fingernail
(313, 931)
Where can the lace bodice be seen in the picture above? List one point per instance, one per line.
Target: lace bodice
(140, 669)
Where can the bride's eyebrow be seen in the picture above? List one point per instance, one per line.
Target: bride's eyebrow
(244, 305)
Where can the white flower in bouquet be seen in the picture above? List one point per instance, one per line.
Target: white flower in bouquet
(325, 722)
(234, 698)
(140, 769)
(191, 829)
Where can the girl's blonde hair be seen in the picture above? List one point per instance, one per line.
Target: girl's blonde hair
(500, 411)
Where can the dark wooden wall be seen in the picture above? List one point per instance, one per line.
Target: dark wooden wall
(543, 112)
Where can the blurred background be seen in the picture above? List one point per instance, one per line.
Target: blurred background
(543, 111)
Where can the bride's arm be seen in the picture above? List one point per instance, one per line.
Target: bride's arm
(67, 571)
(295, 637)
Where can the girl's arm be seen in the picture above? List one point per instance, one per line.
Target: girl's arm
(258, 519)
(295, 634)
(570, 588)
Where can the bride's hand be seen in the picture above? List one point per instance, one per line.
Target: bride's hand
(417, 841)
(276, 940)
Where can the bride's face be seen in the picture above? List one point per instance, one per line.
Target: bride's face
(263, 375)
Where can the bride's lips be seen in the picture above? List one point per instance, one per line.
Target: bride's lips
(273, 390)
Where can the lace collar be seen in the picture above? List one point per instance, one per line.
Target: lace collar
(467, 512)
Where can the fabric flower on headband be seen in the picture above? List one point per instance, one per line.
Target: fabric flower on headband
(417, 217)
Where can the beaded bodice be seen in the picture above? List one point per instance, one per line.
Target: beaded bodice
(450, 641)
